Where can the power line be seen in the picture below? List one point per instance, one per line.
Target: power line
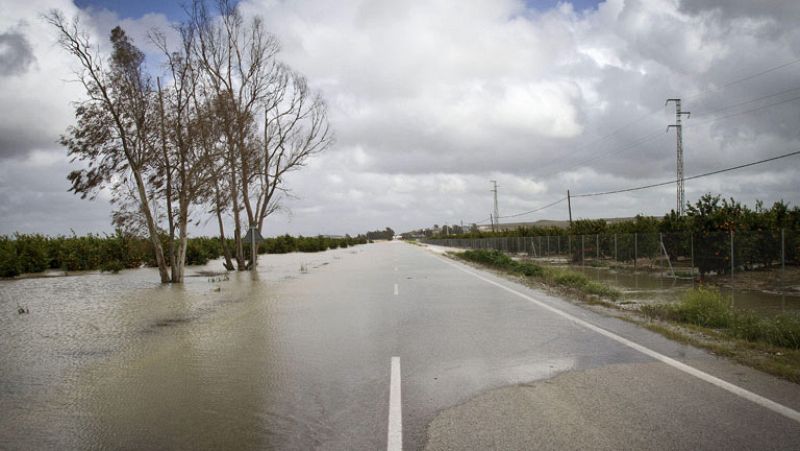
(752, 110)
(645, 116)
(786, 155)
(535, 210)
(632, 145)
(728, 107)
(743, 79)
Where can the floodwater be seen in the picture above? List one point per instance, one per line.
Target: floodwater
(103, 361)
(647, 286)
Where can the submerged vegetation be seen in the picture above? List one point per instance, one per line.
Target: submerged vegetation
(21, 253)
(564, 278)
(708, 308)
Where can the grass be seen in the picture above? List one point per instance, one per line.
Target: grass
(579, 281)
(773, 360)
(708, 308)
(553, 276)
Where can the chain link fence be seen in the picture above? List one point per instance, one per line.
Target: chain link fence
(751, 260)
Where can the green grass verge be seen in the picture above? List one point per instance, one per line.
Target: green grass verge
(553, 276)
(708, 308)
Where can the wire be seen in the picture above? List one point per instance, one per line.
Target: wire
(576, 150)
(786, 155)
(632, 145)
(535, 210)
(743, 79)
(713, 112)
(752, 110)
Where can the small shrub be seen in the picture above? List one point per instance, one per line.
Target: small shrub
(708, 308)
(113, 267)
(704, 307)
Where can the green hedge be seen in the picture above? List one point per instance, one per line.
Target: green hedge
(286, 243)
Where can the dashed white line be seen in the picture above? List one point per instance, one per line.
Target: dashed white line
(788, 412)
(396, 290)
(394, 439)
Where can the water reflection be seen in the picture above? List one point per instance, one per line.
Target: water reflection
(108, 361)
(648, 286)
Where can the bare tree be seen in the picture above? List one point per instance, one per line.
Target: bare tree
(295, 128)
(255, 91)
(240, 62)
(185, 161)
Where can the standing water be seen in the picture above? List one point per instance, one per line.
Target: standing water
(656, 287)
(102, 360)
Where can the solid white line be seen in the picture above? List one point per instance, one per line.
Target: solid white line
(735, 389)
(394, 439)
(396, 290)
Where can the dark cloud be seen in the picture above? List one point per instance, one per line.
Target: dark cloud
(775, 9)
(17, 142)
(16, 54)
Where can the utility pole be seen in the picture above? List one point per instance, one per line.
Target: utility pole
(569, 206)
(679, 132)
(491, 220)
(496, 210)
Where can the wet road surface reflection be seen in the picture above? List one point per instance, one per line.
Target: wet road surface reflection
(116, 361)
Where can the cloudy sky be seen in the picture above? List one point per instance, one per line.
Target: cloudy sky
(431, 100)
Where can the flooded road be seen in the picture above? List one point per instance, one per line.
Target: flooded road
(299, 358)
(103, 360)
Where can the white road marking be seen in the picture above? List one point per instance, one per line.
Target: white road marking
(788, 412)
(396, 290)
(394, 439)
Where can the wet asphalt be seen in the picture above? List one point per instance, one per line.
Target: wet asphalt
(460, 339)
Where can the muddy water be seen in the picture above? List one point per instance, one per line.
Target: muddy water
(655, 287)
(103, 361)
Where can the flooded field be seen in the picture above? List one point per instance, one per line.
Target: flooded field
(649, 287)
(107, 359)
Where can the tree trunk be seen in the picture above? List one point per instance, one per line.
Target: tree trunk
(151, 228)
(180, 258)
(237, 221)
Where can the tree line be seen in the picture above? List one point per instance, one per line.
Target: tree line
(216, 135)
(35, 253)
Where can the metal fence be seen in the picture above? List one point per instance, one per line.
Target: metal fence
(677, 254)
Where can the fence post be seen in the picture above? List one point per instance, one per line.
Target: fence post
(635, 249)
(569, 245)
(732, 265)
(583, 246)
(783, 253)
(731, 259)
(597, 245)
(783, 269)
(691, 247)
